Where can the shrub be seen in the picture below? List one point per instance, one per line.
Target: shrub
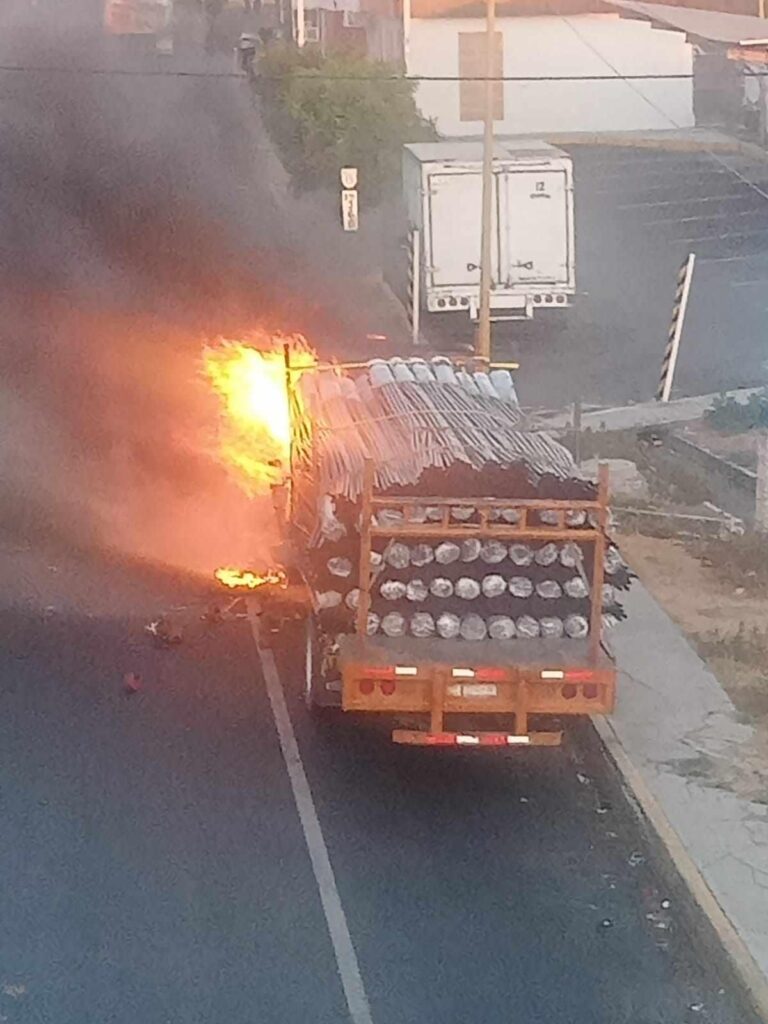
(325, 113)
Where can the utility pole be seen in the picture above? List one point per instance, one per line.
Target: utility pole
(483, 347)
(301, 34)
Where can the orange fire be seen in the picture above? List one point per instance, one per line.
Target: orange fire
(234, 578)
(251, 381)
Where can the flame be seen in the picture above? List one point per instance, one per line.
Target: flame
(233, 578)
(249, 378)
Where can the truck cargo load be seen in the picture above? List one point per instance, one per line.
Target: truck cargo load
(455, 561)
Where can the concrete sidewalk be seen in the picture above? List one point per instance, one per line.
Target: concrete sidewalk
(677, 739)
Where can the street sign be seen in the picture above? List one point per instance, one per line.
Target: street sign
(349, 218)
(349, 177)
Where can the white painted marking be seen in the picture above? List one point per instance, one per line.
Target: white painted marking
(338, 929)
(406, 670)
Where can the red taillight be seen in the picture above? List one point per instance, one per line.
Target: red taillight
(491, 675)
(366, 687)
(387, 687)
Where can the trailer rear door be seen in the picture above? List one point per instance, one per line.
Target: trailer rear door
(455, 217)
(536, 230)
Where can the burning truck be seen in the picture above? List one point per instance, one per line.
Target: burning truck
(455, 562)
(456, 566)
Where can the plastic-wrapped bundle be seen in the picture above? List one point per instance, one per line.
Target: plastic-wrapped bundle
(339, 567)
(609, 621)
(549, 517)
(521, 554)
(398, 555)
(372, 626)
(473, 627)
(550, 590)
(552, 628)
(416, 590)
(467, 589)
(388, 516)
(392, 590)
(433, 513)
(576, 588)
(494, 585)
(547, 554)
(576, 627)
(501, 627)
(493, 551)
(571, 555)
(577, 518)
(422, 554)
(393, 624)
(527, 627)
(461, 513)
(331, 528)
(613, 560)
(448, 625)
(416, 514)
(511, 516)
(328, 599)
(520, 586)
(377, 559)
(470, 549)
(609, 594)
(447, 552)
(352, 600)
(441, 587)
(422, 624)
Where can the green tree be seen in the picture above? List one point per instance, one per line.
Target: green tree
(325, 113)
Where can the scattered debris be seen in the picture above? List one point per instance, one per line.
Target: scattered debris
(666, 904)
(14, 991)
(131, 683)
(611, 835)
(583, 779)
(658, 919)
(524, 800)
(606, 923)
(635, 859)
(164, 632)
(604, 807)
(696, 1007)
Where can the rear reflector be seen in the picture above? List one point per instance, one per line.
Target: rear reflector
(469, 741)
(553, 674)
(405, 670)
(463, 673)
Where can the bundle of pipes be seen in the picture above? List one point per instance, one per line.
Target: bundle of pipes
(430, 430)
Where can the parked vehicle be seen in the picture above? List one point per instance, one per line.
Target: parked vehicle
(533, 260)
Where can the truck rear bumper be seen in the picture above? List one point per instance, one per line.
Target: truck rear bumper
(421, 738)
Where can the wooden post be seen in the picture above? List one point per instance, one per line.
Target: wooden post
(598, 567)
(761, 494)
(483, 347)
(364, 603)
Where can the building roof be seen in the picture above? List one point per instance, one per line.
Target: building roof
(534, 8)
(471, 151)
(697, 23)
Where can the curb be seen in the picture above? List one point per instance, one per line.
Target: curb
(739, 962)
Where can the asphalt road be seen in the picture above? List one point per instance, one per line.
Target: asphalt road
(155, 869)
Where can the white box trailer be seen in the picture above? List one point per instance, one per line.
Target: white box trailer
(533, 236)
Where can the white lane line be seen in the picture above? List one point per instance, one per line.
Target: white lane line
(338, 929)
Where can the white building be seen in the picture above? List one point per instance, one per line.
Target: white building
(444, 39)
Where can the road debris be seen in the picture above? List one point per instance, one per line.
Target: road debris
(696, 1007)
(583, 779)
(131, 683)
(164, 632)
(606, 923)
(635, 859)
(14, 991)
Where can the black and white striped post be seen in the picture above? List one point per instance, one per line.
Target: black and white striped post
(682, 291)
(413, 305)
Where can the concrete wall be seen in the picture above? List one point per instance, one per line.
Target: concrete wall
(589, 44)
